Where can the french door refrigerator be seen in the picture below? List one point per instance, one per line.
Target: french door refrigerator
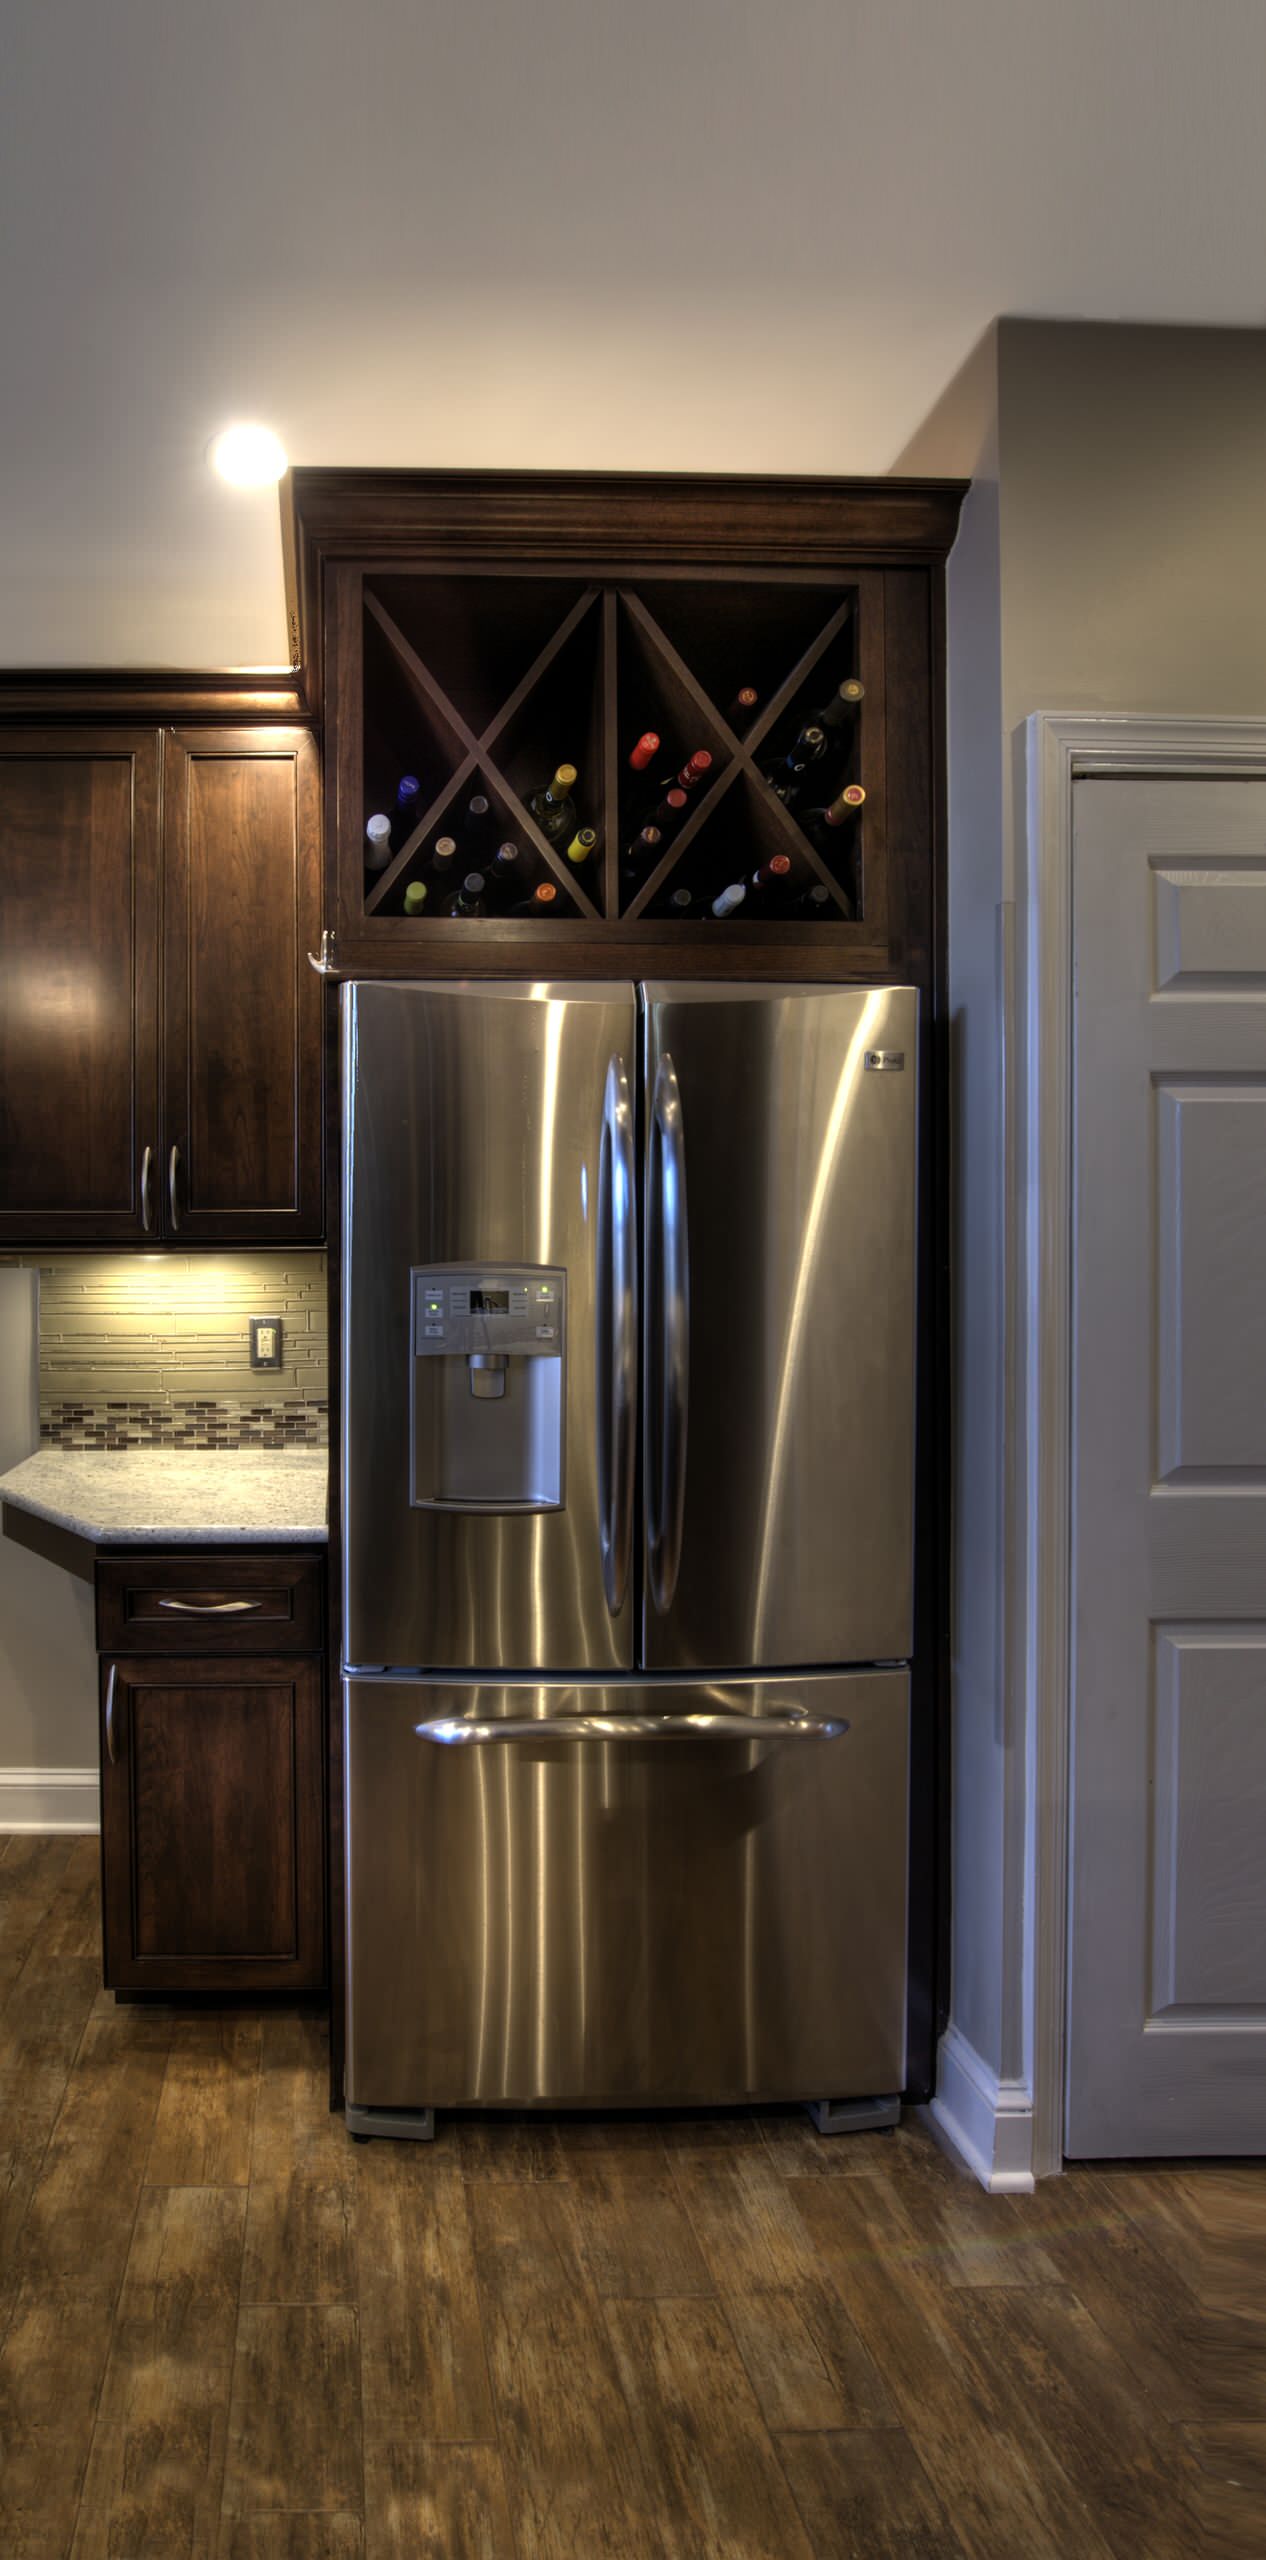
(627, 1476)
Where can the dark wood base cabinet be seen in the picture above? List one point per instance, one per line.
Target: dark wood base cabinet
(212, 1779)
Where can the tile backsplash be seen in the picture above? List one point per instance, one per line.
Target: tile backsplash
(145, 1351)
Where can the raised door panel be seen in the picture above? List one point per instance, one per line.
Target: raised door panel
(242, 1008)
(212, 1824)
(78, 985)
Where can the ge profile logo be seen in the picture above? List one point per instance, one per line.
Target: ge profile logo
(883, 1062)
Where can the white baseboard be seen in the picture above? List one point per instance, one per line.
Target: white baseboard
(50, 1800)
(988, 2121)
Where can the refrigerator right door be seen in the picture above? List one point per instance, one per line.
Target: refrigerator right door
(779, 1314)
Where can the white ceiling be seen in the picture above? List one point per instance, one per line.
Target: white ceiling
(719, 235)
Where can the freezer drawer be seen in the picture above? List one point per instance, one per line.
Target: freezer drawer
(625, 1918)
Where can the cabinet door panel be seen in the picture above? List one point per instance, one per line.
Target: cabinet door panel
(212, 1824)
(78, 983)
(242, 1009)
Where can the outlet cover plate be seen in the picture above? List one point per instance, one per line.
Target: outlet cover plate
(265, 1342)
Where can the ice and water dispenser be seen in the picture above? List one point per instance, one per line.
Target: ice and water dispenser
(488, 1356)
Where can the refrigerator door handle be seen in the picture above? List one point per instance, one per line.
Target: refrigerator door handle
(669, 1339)
(616, 1334)
(723, 1726)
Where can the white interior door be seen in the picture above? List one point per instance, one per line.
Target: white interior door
(1167, 1984)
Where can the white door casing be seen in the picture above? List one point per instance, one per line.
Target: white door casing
(1062, 748)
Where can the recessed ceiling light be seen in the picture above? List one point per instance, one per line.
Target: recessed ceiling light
(248, 457)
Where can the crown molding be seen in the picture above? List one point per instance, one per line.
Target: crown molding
(126, 693)
(637, 521)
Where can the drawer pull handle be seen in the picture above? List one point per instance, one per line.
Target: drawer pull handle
(173, 1174)
(111, 1745)
(212, 1608)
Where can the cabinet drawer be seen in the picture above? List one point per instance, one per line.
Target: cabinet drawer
(197, 1603)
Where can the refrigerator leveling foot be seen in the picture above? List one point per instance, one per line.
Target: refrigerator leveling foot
(398, 2124)
(848, 2115)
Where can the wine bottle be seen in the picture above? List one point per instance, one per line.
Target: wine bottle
(415, 897)
(647, 747)
(730, 898)
(742, 710)
(823, 825)
(773, 879)
(691, 774)
(668, 812)
(645, 848)
(469, 900)
(786, 775)
(477, 813)
(681, 902)
(582, 844)
(443, 856)
(503, 872)
(842, 706)
(378, 842)
(815, 901)
(553, 806)
(541, 901)
(408, 804)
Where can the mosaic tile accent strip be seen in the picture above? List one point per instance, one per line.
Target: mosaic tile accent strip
(131, 1423)
(145, 1351)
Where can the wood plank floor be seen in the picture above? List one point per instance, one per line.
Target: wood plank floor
(229, 2333)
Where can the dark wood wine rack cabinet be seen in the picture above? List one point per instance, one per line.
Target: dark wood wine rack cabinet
(477, 630)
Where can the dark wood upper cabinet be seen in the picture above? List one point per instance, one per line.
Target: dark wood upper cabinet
(474, 630)
(160, 1029)
(241, 1008)
(79, 869)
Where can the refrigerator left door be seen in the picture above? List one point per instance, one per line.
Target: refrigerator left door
(489, 1325)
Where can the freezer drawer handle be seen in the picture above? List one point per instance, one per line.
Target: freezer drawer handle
(669, 1355)
(617, 1334)
(725, 1726)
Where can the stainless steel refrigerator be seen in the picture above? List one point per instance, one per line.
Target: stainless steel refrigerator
(627, 1480)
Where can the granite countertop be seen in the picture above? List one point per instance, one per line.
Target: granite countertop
(176, 1498)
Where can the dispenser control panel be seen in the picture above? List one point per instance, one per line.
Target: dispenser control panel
(480, 1307)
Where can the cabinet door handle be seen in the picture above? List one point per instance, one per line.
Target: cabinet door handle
(212, 1608)
(173, 1169)
(111, 1739)
(147, 1190)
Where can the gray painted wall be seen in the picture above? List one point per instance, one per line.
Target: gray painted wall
(1111, 557)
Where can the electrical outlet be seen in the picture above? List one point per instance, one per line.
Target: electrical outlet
(265, 1342)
